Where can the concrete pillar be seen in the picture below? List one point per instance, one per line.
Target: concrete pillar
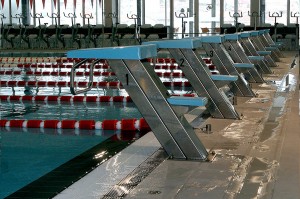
(171, 30)
(221, 13)
(255, 8)
(109, 8)
(196, 18)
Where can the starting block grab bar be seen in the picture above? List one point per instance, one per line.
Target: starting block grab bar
(130, 53)
(91, 77)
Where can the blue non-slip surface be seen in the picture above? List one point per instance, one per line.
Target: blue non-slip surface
(129, 52)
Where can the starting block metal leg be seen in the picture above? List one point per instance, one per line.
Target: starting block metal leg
(250, 51)
(257, 41)
(257, 45)
(224, 63)
(195, 71)
(238, 55)
(149, 94)
(268, 41)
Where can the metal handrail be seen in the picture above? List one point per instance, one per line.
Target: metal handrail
(91, 75)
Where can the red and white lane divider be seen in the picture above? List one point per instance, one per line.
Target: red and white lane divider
(73, 98)
(26, 59)
(83, 66)
(60, 65)
(123, 125)
(96, 74)
(59, 99)
(104, 84)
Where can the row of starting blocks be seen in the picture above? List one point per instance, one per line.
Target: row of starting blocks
(241, 59)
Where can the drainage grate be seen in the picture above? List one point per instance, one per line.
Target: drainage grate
(121, 189)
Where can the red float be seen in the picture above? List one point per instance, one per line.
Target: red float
(34, 123)
(16, 123)
(68, 124)
(128, 125)
(109, 124)
(51, 124)
(87, 124)
(3, 123)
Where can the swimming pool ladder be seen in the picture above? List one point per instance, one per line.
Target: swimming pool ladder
(152, 98)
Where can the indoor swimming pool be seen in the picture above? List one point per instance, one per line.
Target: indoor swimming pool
(28, 154)
(56, 153)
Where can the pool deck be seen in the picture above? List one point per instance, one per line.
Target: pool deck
(256, 157)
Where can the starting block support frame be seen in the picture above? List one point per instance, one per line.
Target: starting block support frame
(251, 52)
(150, 96)
(196, 71)
(246, 41)
(238, 55)
(256, 39)
(213, 45)
(267, 40)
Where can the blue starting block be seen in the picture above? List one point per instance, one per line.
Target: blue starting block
(215, 39)
(267, 41)
(264, 53)
(233, 37)
(226, 78)
(251, 45)
(257, 40)
(241, 51)
(243, 65)
(187, 101)
(216, 49)
(256, 58)
(196, 71)
(128, 53)
(151, 97)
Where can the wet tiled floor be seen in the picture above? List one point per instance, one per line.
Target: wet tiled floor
(257, 156)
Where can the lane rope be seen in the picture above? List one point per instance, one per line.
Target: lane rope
(101, 84)
(123, 124)
(72, 98)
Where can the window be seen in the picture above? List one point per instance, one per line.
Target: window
(182, 18)
(16, 13)
(157, 15)
(90, 13)
(209, 11)
(228, 12)
(294, 7)
(128, 8)
(236, 10)
(244, 7)
(42, 13)
(4, 13)
(67, 11)
(275, 8)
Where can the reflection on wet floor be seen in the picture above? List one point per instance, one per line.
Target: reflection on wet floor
(252, 177)
(249, 151)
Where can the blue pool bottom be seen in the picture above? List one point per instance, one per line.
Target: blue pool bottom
(27, 156)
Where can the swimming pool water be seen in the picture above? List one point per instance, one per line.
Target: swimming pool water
(76, 111)
(26, 156)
